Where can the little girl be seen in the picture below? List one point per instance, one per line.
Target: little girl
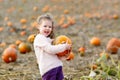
(50, 65)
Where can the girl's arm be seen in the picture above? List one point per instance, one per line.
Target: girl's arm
(47, 47)
(54, 49)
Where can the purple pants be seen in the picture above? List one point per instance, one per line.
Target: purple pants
(54, 74)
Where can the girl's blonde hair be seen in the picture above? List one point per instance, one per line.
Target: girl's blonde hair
(47, 17)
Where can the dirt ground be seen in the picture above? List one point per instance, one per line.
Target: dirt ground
(92, 18)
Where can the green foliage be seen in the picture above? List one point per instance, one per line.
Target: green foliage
(104, 70)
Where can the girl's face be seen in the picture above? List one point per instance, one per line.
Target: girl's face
(45, 27)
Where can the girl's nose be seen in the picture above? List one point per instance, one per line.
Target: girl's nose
(47, 27)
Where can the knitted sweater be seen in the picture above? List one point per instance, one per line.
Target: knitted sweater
(46, 53)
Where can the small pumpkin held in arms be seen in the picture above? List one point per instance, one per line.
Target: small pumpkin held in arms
(113, 45)
(9, 55)
(61, 40)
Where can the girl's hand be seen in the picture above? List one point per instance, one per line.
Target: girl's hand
(68, 46)
(65, 56)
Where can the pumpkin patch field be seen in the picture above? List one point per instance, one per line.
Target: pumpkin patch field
(92, 27)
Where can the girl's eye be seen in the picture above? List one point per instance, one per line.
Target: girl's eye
(50, 26)
(45, 26)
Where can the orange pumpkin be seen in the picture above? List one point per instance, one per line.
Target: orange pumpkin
(95, 41)
(1, 29)
(66, 11)
(6, 18)
(23, 21)
(35, 8)
(46, 8)
(10, 24)
(9, 55)
(34, 24)
(24, 48)
(65, 25)
(23, 33)
(113, 45)
(61, 40)
(63, 53)
(71, 20)
(94, 66)
(12, 45)
(115, 16)
(3, 44)
(70, 57)
(12, 29)
(82, 51)
(17, 42)
(61, 21)
(31, 38)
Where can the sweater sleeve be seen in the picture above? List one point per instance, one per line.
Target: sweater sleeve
(54, 49)
(47, 47)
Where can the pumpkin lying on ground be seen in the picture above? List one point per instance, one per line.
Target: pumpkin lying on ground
(31, 38)
(17, 42)
(12, 45)
(94, 66)
(82, 50)
(61, 40)
(24, 47)
(9, 55)
(113, 45)
(95, 41)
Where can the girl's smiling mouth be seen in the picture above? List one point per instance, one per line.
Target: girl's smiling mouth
(46, 32)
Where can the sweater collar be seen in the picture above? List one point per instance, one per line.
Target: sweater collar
(47, 38)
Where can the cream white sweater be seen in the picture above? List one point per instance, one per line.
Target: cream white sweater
(46, 53)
